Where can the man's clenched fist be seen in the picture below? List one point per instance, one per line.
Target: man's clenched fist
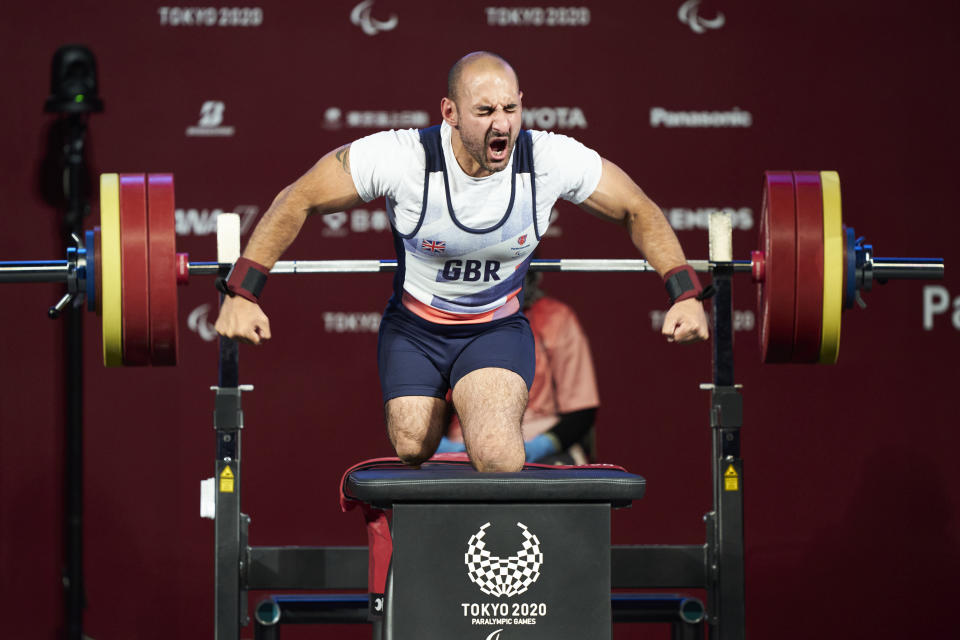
(242, 320)
(686, 322)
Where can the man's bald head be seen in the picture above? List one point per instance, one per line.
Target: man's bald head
(475, 61)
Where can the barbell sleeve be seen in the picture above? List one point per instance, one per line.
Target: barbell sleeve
(35, 271)
(908, 268)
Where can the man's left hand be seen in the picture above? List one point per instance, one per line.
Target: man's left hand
(686, 322)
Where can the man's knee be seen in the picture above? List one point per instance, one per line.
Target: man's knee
(413, 454)
(503, 461)
(414, 425)
(413, 447)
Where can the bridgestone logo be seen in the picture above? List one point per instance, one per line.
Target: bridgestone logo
(700, 119)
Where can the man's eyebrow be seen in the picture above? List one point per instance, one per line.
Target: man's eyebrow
(487, 107)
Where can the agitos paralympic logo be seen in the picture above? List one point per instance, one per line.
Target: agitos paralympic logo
(689, 14)
(509, 576)
(361, 17)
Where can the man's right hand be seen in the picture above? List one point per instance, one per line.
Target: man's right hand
(242, 320)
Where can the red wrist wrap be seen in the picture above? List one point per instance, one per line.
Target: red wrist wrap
(682, 283)
(247, 279)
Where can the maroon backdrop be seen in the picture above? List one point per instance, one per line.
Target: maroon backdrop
(851, 495)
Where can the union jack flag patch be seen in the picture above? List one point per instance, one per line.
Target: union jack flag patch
(434, 246)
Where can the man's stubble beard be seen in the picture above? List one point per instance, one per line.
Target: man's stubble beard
(479, 152)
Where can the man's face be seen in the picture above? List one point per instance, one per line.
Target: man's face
(488, 109)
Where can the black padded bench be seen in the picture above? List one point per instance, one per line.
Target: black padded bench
(453, 481)
(477, 552)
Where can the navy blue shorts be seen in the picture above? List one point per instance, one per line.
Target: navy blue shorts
(421, 358)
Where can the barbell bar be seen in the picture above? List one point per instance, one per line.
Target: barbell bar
(810, 267)
(883, 269)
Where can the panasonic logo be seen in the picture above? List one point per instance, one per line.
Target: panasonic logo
(735, 117)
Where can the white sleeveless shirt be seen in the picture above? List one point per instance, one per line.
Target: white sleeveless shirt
(463, 244)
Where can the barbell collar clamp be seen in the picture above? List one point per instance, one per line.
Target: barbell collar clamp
(865, 264)
(54, 312)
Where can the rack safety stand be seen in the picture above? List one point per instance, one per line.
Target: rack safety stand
(725, 545)
(717, 566)
(229, 524)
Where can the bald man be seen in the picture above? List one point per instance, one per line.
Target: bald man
(468, 201)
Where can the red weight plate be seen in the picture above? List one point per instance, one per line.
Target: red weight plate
(778, 239)
(163, 270)
(809, 277)
(135, 285)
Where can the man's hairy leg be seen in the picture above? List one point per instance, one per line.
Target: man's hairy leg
(415, 425)
(490, 403)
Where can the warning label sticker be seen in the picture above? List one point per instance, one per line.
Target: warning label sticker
(731, 481)
(226, 480)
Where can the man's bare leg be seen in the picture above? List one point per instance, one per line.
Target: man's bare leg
(490, 403)
(415, 425)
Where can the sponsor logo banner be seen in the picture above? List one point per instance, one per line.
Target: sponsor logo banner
(733, 118)
(351, 322)
(537, 16)
(554, 118)
(210, 123)
(936, 302)
(548, 118)
(210, 16)
(203, 222)
(339, 224)
(684, 218)
(334, 118)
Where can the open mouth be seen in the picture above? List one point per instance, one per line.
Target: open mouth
(498, 148)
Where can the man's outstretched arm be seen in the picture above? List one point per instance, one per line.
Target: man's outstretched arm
(327, 187)
(619, 199)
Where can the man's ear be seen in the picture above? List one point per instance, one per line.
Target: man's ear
(448, 111)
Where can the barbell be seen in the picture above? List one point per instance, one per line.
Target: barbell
(809, 268)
